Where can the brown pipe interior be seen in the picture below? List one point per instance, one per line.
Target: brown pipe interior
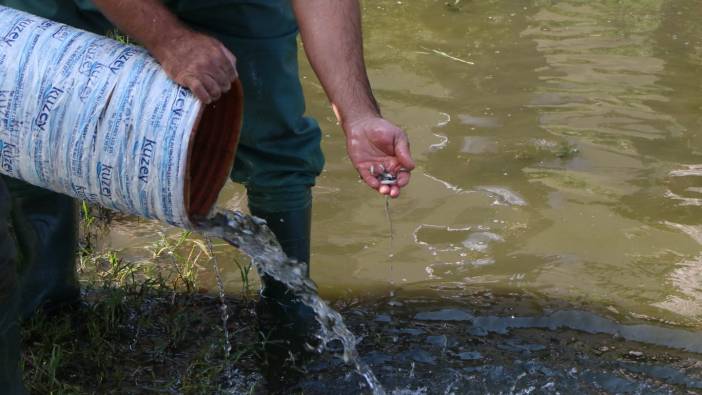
(212, 151)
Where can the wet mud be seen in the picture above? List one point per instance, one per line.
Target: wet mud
(488, 344)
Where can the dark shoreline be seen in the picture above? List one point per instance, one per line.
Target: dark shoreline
(147, 339)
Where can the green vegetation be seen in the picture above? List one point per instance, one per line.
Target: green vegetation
(117, 35)
(566, 151)
(144, 327)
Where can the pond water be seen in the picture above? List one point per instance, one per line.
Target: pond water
(559, 160)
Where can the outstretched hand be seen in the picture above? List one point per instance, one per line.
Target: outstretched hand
(376, 146)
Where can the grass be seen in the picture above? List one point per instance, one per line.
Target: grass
(185, 254)
(145, 327)
(566, 150)
(94, 224)
(118, 36)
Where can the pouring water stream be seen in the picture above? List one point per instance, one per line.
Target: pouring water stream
(252, 236)
(223, 309)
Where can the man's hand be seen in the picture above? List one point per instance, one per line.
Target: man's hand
(376, 146)
(192, 59)
(199, 62)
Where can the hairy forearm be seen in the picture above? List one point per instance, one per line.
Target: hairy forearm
(148, 22)
(331, 33)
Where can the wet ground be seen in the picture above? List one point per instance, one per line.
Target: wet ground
(483, 343)
(146, 340)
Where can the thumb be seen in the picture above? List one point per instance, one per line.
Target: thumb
(402, 152)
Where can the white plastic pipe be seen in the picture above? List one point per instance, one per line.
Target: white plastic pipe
(87, 116)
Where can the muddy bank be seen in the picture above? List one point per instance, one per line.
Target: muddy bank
(149, 339)
(504, 344)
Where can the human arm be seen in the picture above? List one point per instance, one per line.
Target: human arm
(331, 33)
(192, 59)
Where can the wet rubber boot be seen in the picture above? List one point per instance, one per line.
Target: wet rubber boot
(285, 318)
(46, 228)
(10, 374)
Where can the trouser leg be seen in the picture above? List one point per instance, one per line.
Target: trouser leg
(45, 224)
(10, 374)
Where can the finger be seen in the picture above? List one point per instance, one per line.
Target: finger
(368, 178)
(222, 79)
(394, 191)
(390, 165)
(212, 87)
(229, 66)
(384, 189)
(197, 88)
(403, 178)
(402, 151)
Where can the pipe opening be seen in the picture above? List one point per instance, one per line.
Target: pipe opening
(212, 151)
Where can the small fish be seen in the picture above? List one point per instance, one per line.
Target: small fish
(386, 178)
(259, 221)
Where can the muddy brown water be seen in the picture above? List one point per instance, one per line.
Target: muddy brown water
(559, 152)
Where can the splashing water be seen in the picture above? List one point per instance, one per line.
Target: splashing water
(252, 236)
(224, 310)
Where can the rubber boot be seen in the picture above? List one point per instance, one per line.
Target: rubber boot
(10, 374)
(288, 322)
(46, 228)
